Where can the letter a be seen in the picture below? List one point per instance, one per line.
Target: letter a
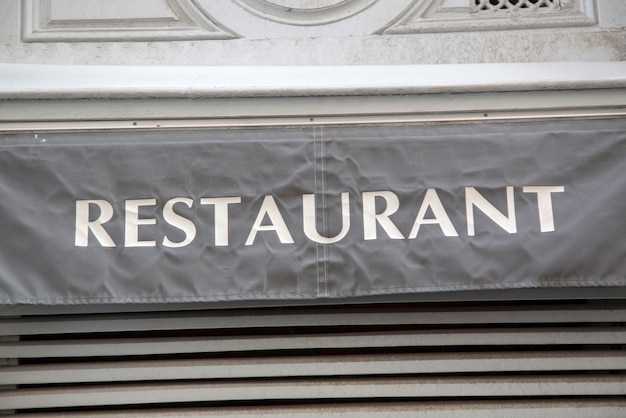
(269, 208)
(432, 201)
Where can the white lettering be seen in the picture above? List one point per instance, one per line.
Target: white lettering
(473, 198)
(370, 217)
(180, 222)
(132, 222)
(269, 208)
(84, 225)
(432, 201)
(221, 216)
(269, 217)
(544, 204)
(309, 220)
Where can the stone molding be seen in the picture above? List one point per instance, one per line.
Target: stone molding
(171, 20)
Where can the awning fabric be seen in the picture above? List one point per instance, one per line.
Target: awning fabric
(310, 212)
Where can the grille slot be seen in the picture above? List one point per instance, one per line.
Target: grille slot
(358, 360)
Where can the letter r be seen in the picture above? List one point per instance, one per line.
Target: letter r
(84, 225)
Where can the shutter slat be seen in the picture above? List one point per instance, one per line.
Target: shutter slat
(225, 320)
(527, 386)
(152, 346)
(352, 365)
(495, 409)
(282, 361)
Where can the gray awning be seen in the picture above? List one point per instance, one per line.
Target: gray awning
(313, 212)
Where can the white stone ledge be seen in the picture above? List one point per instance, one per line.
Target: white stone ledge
(45, 82)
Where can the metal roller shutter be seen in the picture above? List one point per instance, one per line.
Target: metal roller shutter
(454, 360)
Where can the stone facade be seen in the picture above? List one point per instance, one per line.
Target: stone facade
(310, 32)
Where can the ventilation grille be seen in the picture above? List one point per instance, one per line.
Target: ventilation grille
(494, 5)
(443, 360)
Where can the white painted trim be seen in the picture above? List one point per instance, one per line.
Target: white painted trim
(50, 97)
(24, 81)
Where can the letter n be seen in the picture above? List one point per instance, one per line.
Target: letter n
(506, 222)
